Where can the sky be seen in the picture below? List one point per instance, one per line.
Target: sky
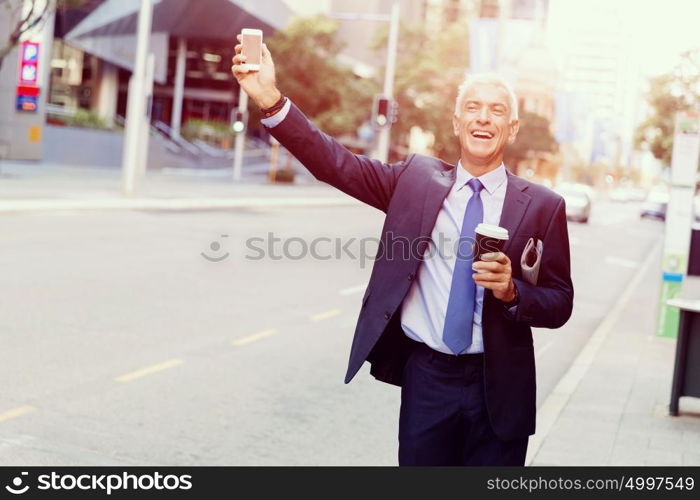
(308, 7)
(661, 29)
(667, 28)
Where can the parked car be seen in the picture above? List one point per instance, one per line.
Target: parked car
(637, 194)
(654, 210)
(628, 193)
(656, 204)
(578, 199)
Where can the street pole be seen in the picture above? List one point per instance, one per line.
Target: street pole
(503, 13)
(679, 219)
(239, 144)
(179, 88)
(136, 102)
(146, 125)
(383, 140)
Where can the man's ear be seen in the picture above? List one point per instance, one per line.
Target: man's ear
(455, 125)
(513, 131)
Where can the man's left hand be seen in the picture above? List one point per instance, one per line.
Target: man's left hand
(495, 273)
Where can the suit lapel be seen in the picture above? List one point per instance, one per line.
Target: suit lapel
(439, 185)
(514, 206)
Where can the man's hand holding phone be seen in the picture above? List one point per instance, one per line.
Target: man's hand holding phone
(259, 85)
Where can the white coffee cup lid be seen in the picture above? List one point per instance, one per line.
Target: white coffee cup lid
(492, 231)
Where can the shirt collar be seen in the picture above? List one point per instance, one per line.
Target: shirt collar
(491, 180)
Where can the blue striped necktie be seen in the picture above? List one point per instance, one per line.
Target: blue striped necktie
(457, 332)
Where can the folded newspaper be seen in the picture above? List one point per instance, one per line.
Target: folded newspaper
(530, 260)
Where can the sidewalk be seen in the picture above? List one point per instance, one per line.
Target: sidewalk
(27, 186)
(611, 408)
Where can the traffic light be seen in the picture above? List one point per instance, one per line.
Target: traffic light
(381, 111)
(239, 121)
(384, 111)
(393, 111)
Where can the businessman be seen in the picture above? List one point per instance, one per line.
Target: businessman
(457, 341)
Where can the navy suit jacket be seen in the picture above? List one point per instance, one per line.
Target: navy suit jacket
(411, 193)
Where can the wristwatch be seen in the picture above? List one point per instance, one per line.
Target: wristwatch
(516, 299)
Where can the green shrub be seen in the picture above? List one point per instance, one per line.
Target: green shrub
(82, 118)
(213, 132)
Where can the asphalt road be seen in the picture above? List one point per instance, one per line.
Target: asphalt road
(124, 343)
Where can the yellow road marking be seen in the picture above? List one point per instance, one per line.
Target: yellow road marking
(16, 412)
(255, 336)
(149, 370)
(324, 315)
(353, 289)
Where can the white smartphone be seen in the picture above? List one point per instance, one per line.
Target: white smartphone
(251, 40)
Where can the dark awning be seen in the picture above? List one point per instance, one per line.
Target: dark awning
(69, 16)
(209, 19)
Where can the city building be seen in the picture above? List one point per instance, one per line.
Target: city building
(359, 24)
(192, 41)
(24, 79)
(600, 83)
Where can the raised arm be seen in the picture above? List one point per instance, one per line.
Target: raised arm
(368, 180)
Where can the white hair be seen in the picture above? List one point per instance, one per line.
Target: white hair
(492, 79)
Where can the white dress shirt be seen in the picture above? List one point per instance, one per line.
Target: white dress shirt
(424, 308)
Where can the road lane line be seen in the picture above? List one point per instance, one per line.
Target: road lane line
(353, 290)
(610, 221)
(149, 370)
(620, 261)
(324, 315)
(52, 205)
(16, 412)
(557, 400)
(254, 337)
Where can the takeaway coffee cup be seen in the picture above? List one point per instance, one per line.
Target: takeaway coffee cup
(489, 238)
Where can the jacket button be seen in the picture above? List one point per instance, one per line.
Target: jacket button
(410, 277)
(387, 315)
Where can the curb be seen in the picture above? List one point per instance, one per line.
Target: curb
(175, 204)
(557, 400)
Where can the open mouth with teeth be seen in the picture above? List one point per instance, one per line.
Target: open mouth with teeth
(482, 134)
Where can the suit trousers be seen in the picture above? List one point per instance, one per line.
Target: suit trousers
(443, 418)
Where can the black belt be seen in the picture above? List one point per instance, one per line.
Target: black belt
(469, 358)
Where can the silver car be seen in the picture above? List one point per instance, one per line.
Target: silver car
(578, 201)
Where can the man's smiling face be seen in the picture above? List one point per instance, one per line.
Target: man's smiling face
(484, 126)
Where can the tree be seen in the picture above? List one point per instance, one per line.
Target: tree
(534, 135)
(678, 90)
(21, 21)
(428, 71)
(308, 72)
(26, 15)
